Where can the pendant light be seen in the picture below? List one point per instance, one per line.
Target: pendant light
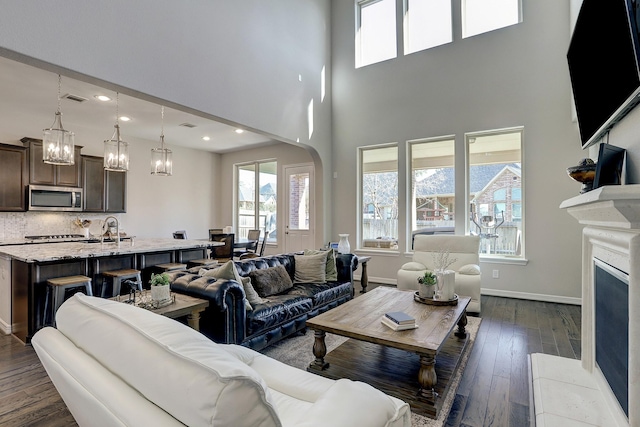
(57, 143)
(161, 163)
(116, 151)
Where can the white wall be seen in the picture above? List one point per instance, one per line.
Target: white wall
(516, 76)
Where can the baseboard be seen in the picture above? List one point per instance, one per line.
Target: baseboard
(530, 296)
(5, 328)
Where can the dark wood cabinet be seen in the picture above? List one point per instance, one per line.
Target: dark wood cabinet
(14, 177)
(104, 191)
(46, 174)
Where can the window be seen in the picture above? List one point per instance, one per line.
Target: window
(495, 184)
(379, 197)
(432, 186)
(481, 16)
(427, 23)
(375, 31)
(256, 181)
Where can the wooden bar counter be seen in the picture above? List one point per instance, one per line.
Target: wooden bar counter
(32, 265)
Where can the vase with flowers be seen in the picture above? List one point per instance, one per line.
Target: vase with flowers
(445, 278)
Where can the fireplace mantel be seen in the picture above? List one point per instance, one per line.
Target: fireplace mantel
(612, 206)
(611, 216)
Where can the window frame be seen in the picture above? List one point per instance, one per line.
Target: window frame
(360, 195)
(406, 30)
(256, 204)
(468, 137)
(359, 6)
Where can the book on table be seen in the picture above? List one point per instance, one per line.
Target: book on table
(397, 327)
(400, 318)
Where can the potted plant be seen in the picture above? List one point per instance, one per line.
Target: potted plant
(159, 286)
(427, 284)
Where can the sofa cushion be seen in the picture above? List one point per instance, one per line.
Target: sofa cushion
(183, 372)
(270, 281)
(310, 268)
(331, 272)
(322, 293)
(277, 310)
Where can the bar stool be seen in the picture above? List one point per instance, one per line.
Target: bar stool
(57, 288)
(171, 266)
(117, 277)
(203, 262)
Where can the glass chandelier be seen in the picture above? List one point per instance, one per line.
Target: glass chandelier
(116, 151)
(57, 143)
(161, 163)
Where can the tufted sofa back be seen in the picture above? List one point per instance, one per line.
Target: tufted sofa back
(246, 266)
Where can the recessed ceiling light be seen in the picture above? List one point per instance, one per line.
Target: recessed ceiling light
(206, 138)
(103, 98)
(239, 131)
(125, 118)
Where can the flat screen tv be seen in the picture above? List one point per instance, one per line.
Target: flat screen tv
(603, 65)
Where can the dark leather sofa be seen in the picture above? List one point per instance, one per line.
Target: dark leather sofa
(227, 319)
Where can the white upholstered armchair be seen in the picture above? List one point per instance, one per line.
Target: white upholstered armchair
(467, 265)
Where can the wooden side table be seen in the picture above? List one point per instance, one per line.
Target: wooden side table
(364, 278)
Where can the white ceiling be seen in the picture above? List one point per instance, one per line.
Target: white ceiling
(29, 100)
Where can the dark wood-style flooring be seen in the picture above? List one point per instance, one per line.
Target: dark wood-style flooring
(494, 390)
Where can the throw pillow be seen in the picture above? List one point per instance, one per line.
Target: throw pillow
(310, 268)
(228, 271)
(331, 270)
(270, 281)
(252, 295)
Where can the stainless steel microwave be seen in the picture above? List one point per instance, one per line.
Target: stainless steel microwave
(49, 198)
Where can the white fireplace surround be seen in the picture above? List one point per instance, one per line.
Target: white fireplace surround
(611, 216)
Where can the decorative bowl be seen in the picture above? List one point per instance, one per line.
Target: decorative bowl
(584, 173)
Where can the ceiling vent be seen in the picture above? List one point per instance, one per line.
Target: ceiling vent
(188, 125)
(75, 98)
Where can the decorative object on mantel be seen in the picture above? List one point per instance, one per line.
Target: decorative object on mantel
(161, 162)
(57, 143)
(584, 172)
(427, 284)
(160, 289)
(116, 151)
(343, 245)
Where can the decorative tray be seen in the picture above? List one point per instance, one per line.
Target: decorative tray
(431, 301)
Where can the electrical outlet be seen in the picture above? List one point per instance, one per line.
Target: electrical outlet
(496, 274)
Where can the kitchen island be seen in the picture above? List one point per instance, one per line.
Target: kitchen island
(32, 265)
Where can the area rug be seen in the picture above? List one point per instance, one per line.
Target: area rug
(296, 351)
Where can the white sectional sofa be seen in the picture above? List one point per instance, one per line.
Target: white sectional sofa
(118, 365)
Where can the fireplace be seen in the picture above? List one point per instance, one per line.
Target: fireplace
(611, 295)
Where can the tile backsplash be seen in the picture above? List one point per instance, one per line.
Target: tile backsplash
(16, 225)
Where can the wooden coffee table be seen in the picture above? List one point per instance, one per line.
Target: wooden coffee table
(402, 363)
(184, 305)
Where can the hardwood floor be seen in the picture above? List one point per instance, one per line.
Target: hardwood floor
(494, 390)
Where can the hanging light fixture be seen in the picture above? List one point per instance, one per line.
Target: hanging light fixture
(57, 143)
(161, 163)
(116, 151)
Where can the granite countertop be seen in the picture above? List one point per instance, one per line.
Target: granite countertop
(74, 250)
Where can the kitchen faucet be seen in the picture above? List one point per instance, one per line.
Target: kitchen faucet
(106, 225)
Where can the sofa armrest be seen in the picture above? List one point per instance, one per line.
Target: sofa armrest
(226, 300)
(470, 269)
(346, 264)
(413, 266)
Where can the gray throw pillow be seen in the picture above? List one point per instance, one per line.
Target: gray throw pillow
(331, 271)
(228, 271)
(310, 268)
(250, 292)
(270, 281)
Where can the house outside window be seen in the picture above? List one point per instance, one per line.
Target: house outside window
(494, 166)
(432, 186)
(375, 31)
(256, 181)
(379, 197)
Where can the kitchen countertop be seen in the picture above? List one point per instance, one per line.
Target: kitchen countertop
(43, 252)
